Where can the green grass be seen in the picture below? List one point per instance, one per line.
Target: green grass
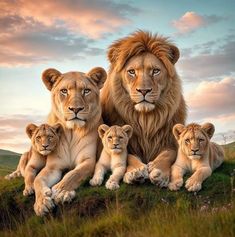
(133, 210)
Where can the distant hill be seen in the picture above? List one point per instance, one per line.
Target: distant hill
(8, 153)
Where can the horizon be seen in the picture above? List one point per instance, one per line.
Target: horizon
(35, 37)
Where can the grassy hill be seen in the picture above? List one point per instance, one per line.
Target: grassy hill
(133, 210)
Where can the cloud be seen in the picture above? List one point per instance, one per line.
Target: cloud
(211, 61)
(12, 131)
(192, 21)
(212, 100)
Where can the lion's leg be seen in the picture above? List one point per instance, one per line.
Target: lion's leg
(160, 168)
(194, 183)
(64, 191)
(177, 174)
(136, 170)
(98, 176)
(114, 179)
(47, 177)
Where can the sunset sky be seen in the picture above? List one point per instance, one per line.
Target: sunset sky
(74, 35)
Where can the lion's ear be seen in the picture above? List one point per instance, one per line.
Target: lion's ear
(99, 75)
(49, 77)
(128, 130)
(209, 128)
(30, 129)
(177, 130)
(102, 129)
(58, 128)
(174, 53)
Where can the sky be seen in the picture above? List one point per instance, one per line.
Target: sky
(74, 35)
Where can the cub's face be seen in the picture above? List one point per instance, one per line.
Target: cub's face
(44, 138)
(144, 78)
(115, 139)
(194, 139)
(75, 95)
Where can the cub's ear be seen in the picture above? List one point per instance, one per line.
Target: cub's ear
(209, 128)
(58, 128)
(177, 130)
(30, 129)
(173, 54)
(102, 129)
(49, 77)
(98, 75)
(128, 130)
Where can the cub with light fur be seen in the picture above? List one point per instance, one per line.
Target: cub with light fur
(144, 91)
(44, 140)
(75, 99)
(113, 156)
(196, 154)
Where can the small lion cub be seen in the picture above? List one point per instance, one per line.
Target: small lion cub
(196, 154)
(113, 156)
(44, 140)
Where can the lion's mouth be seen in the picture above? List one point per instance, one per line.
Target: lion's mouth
(144, 101)
(77, 119)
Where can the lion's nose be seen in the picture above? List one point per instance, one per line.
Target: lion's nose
(76, 110)
(194, 150)
(144, 91)
(45, 146)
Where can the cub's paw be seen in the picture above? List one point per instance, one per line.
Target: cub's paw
(159, 178)
(13, 175)
(112, 185)
(29, 190)
(193, 185)
(96, 181)
(138, 175)
(176, 185)
(43, 204)
(62, 196)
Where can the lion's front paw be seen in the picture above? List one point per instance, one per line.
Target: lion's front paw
(176, 185)
(62, 196)
(136, 175)
(13, 175)
(193, 185)
(96, 181)
(43, 204)
(29, 190)
(159, 178)
(112, 185)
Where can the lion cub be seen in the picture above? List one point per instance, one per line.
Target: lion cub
(196, 154)
(113, 156)
(44, 139)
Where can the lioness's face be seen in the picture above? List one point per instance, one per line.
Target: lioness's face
(76, 98)
(144, 78)
(75, 95)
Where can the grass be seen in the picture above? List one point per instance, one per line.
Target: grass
(133, 210)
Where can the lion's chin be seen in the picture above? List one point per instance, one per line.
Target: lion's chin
(194, 157)
(45, 152)
(144, 107)
(75, 123)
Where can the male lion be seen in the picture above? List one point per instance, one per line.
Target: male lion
(144, 91)
(76, 106)
(196, 154)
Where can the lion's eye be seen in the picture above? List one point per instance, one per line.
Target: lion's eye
(109, 137)
(64, 91)
(120, 137)
(201, 140)
(156, 71)
(187, 141)
(131, 72)
(86, 91)
(38, 138)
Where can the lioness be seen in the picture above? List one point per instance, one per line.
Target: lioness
(44, 140)
(196, 154)
(113, 156)
(76, 105)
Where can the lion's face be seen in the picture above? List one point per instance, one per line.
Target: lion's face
(115, 138)
(75, 95)
(144, 78)
(44, 138)
(193, 139)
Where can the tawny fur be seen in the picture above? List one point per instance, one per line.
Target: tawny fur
(44, 140)
(113, 156)
(152, 138)
(76, 105)
(196, 155)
